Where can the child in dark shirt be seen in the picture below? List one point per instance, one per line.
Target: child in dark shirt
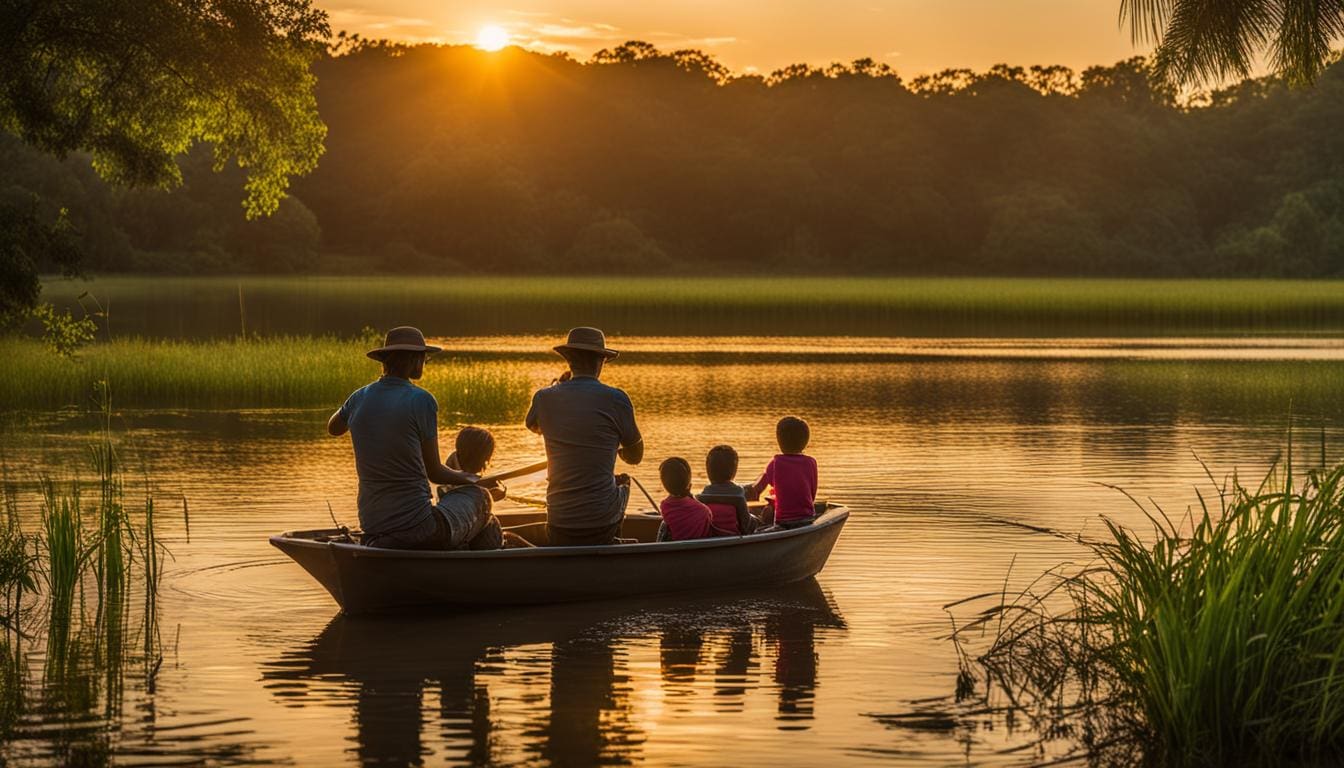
(727, 501)
(792, 474)
(683, 517)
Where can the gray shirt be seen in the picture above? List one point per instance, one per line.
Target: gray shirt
(388, 420)
(583, 421)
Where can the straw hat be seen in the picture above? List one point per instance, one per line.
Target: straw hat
(403, 339)
(587, 340)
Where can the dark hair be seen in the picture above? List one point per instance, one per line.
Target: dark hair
(676, 476)
(721, 463)
(792, 434)
(582, 361)
(475, 446)
(400, 362)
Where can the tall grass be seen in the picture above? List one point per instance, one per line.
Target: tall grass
(89, 556)
(711, 304)
(1212, 640)
(275, 372)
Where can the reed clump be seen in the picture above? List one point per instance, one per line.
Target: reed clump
(1215, 640)
(279, 372)
(73, 585)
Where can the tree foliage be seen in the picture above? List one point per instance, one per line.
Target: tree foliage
(136, 83)
(639, 161)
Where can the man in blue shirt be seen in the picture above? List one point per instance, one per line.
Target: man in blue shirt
(394, 427)
(586, 424)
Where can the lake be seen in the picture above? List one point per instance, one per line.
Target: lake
(944, 449)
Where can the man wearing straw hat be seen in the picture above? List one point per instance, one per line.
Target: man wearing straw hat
(586, 424)
(394, 427)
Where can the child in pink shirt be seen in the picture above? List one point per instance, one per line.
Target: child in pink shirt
(792, 474)
(683, 517)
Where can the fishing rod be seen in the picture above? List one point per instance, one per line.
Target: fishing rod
(635, 480)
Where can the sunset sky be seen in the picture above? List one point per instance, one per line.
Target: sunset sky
(914, 36)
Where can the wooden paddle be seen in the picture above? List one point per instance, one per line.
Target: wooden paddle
(518, 472)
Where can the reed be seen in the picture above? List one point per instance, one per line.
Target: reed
(19, 571)
(1212, 639)
(275, 372)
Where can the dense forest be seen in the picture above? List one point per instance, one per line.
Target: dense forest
(442, 159)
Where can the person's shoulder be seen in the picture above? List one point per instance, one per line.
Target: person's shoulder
(616, 393)
(421, 395)
(360, 394)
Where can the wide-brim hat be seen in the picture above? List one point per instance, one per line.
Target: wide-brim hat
(403, 339)
(587, 340)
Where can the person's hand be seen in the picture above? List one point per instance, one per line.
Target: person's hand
(498, 491)
(483, 482)
(622, 479)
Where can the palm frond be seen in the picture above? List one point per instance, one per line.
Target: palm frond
(1200, 41)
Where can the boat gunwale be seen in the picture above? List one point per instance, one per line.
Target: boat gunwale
(835, 515)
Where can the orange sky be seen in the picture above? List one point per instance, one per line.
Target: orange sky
(914, 36)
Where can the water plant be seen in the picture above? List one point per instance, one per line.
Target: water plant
(1214, 638)
(239, 373)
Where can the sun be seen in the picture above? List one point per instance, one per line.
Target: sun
(492, 37)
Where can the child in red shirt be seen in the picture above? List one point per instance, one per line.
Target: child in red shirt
(683, 517)
(792, 474)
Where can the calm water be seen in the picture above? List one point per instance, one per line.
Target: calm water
(938, 455)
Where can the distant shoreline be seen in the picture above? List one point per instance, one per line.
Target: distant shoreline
(719, 305)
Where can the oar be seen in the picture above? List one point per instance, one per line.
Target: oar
(512, 473)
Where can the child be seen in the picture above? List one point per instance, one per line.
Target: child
(683, 517)
(793, 475)
(727, 501)
(474, 447)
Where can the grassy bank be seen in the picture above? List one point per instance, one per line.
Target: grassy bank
(1211, 639)
(216, 307)
(273, 372)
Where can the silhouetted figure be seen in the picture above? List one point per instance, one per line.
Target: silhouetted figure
(586, 425)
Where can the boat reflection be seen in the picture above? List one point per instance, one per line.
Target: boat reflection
(489, 673)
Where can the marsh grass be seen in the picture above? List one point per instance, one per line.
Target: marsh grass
(89, 557)
(253, 373)
(1214, 639)
(685, 305)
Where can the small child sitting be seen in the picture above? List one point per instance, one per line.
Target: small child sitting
(683, 517)
(792, 474)
(474, 447)
(727, 501)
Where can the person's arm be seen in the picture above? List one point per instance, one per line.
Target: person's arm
(767, 478)
(632, 454)
(440, 474)
(337, 425)
(744, 522)
(427, 425)
(631, 450)
(532, 422)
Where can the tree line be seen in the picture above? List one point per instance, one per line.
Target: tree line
(447, 158)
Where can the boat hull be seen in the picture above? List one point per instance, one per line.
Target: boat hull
(371, 580)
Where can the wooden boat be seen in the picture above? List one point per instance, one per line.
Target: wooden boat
(372, 580)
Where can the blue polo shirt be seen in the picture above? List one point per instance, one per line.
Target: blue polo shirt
(583, 422)
(388, 420)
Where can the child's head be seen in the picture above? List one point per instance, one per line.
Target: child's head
(721, 464)
(475, 446)
(676, 476)
(792, 434)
